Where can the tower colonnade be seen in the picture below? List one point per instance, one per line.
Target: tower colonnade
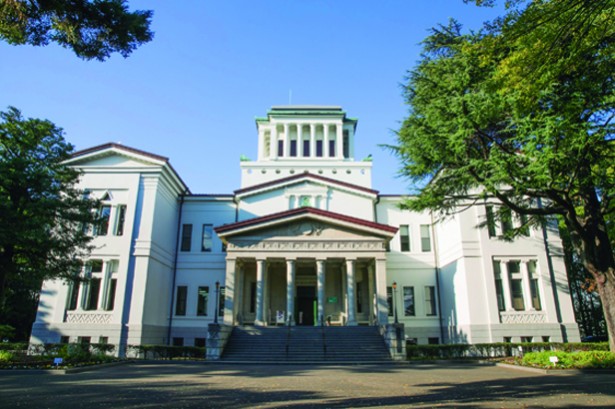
(305, 139)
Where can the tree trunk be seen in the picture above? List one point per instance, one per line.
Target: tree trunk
(589, 237)
(607, 295)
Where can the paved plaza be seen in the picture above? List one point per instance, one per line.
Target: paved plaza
(204, 385)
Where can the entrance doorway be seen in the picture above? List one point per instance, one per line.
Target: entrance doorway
(306, 301)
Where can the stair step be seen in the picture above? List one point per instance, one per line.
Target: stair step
(306, 344)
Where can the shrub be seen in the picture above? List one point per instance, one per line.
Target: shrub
(167, 351)
(13, 346)
(6, 356)
(496, 350)
(581, 359)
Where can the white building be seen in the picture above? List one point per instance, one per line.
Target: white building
(305, 240)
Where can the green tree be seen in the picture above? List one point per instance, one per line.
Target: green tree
(92, 29)
(521, 113)
(42, 213)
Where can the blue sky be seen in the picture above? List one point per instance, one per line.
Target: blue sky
(193, 92)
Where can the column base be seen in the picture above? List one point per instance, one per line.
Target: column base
(260, 323)
(351, 324)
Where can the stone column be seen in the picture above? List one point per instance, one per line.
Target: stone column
(260, 287)
(312, 141)
(381, 291)
(286, 140)
(290, 292)
(229, 292)
(239, 282)
(325, 141)
(370, 291)
(339, 148)
(350, 288)
(527, 293)
(506, 285)
(320, 287)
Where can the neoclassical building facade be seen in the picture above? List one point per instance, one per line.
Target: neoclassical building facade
(305, 240)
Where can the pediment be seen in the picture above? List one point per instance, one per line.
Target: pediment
(114, 161)
(304, 230)
(305, 181)
(305, 223)
(115, 155)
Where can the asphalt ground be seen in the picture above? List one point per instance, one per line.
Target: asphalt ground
(206, 385)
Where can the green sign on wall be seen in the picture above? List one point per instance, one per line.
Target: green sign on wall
(332, 300)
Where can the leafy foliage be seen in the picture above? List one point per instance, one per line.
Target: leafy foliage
(583, 359)
(42, 213)
(495, 350)
(92, 29)
(521, 114)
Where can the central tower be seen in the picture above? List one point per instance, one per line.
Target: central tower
(303, 138)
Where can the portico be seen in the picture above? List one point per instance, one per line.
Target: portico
(305, 267)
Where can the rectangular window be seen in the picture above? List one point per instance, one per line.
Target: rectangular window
(64, 339)
(516, 290)
(527, 339)
(390, 300)
(506, 220)
(73, 295)
(201, 302)
(84, 340)
(293, 148)
(280, 148)
(433, 341)
(103, 221)
(425, 238)
(319, 148)
(121, 218)
(178, 342)
(208, 233)
(180, 302)
(499, 289)
(199, 342)
(430, 300)
(535, 293)
(404, 237)
(221, 302)
(111, 295)
(346, 145)
(306, 148)
(332, 149)
(186, 237)
(409, 301)
(490, 221)
(525, 229)
(103, 340)
(91, 300)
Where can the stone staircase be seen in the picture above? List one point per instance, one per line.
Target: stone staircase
(360, 344)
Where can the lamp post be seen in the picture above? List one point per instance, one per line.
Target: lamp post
(395, 302)
(217, 301)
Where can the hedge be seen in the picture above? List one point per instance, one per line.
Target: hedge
(496, 350)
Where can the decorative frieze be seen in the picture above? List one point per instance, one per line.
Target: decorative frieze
(288, 245)
(523, 317)
(88, 318)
